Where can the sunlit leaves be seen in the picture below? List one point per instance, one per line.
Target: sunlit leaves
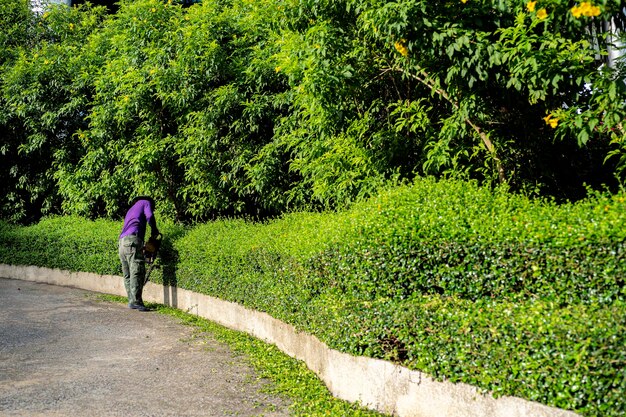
(249, 107)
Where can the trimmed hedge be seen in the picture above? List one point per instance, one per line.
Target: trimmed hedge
(77, 244)
(70, 243)
(515, 296)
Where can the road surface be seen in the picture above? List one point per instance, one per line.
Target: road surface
(64, 352)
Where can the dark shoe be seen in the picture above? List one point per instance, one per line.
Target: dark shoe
(139, 307)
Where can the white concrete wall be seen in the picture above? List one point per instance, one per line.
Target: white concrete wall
(376, 384)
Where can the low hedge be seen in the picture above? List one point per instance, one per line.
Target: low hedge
(516, 296)
(76, 244)
(70, 243)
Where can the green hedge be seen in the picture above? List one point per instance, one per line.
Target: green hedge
(515, 296)
(76, 244)
(68, 243)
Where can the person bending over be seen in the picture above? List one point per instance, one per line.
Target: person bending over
(131, 241)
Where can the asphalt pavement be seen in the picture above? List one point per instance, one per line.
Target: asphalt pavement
(65, 352)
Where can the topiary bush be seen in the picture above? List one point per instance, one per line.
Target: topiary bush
(68, 243)
(76, 244)
(515, 296)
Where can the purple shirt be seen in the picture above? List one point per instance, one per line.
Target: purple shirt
(136, 219)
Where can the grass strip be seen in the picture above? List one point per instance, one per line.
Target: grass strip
(289, 377)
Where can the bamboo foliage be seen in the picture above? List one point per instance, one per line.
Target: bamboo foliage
(253, 108)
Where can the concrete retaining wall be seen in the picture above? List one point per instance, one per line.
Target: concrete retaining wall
(376, 384)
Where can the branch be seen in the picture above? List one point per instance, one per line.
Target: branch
(428, 81)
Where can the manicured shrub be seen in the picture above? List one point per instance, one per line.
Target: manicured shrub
(515, 296)
(74, 244)
(518, 297)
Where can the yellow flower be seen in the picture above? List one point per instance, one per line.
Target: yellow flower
(71, 26)
(585, 6)
(401, 47)
(594, 11)
(153, 10)
(585, 9)
(550, 121)
(463, 1)
(530, 6)
(542, 14)
(278, 69)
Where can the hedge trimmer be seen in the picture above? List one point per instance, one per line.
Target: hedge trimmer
(150, 251)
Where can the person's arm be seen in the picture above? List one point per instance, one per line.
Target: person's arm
(150, 219)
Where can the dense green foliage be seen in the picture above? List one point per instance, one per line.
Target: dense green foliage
(73, 244)
(515, 296)
(66, 243)
(258, 107)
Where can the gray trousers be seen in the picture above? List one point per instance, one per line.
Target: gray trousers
(133, 267)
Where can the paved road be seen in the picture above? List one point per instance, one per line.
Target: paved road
(63, 352)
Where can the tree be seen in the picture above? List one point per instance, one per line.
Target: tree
(42, 101)
(184, 98)
(493, 90)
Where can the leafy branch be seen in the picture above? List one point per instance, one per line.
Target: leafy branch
(424, 78)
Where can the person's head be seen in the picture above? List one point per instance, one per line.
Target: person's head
(146, 198)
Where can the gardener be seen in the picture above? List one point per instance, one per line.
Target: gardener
(140, 214)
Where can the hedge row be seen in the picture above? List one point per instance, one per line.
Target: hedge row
(515, 296)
